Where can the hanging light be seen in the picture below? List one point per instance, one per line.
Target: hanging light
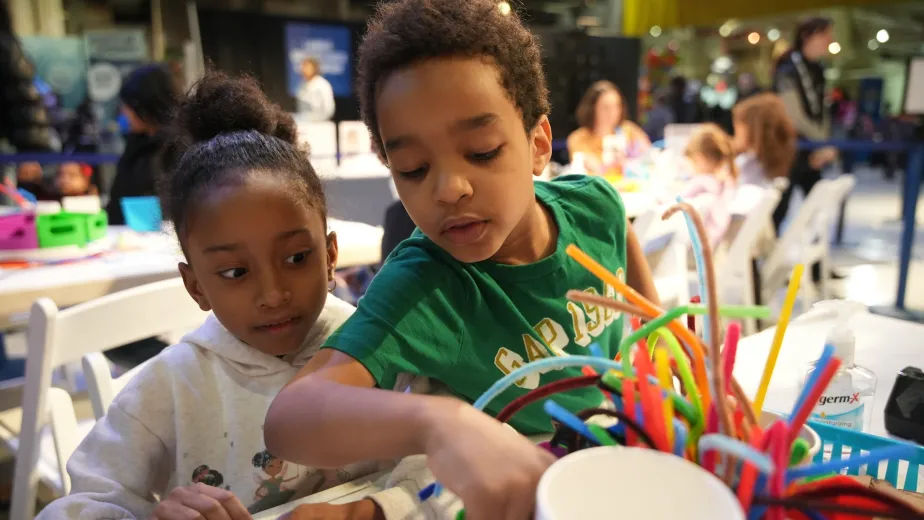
(753, 38)
(834, 48)
(655, 31)
(882, 36)
(773, 34)
(872, 45)
(504, 8)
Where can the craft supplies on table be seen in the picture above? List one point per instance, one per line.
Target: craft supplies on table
(670, 392)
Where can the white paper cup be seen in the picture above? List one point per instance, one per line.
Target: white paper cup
(767, 418)
(618, 482)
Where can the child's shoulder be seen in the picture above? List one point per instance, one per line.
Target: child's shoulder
(585, 194)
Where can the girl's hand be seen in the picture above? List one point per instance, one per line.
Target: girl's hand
(491, 467)
(361, 510)
(200, 502)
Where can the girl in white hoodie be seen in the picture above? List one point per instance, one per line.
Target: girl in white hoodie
(184, 439)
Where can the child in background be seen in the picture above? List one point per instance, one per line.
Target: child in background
(765, 140)
(73, 179)
(251, 218)
(455, 98)
(712, 187)
(31, 177)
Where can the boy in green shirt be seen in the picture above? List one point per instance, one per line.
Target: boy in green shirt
(455, 99)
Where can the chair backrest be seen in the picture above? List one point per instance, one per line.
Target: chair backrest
(64, 431)
(756, 216)
(58, 337)
(812, 224)
(669, 240)
(101, 386)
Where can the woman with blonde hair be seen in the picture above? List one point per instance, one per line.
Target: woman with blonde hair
(601, 114)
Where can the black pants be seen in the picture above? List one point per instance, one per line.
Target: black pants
(802, 176)
(805, 177)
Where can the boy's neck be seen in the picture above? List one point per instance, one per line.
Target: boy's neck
(534, 238)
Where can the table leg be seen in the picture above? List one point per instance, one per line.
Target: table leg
(909, 209)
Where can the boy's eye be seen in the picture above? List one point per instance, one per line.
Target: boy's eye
(485, 156)
(233, 273)
(298, 258)
(414, 174)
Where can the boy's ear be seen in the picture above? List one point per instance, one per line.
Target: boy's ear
(541, 145)
(193, 288)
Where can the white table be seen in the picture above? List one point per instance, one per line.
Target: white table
(884, 345)
(153, 258)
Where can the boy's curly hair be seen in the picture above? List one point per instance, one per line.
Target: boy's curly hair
(771, 132)
(404, 32)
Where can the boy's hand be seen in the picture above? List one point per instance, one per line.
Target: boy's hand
(493, 469)
(200, 502)
(361, 510)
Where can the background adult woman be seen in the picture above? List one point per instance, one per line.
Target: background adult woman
(601, 113)
(800, 82)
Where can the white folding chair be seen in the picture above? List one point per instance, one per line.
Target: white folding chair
(56, 338)
(669, 241)
(756, 205)
(807, 240)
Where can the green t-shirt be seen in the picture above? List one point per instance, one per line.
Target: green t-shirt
(467, 325)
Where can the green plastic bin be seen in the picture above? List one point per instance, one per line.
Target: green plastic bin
(97, 225)
(61, 229)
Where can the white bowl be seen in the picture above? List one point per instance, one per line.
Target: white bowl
(618, 482)
(767, 418)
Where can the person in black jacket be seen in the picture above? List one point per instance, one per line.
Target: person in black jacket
(800, 82)
(23, 119)
(149, 100)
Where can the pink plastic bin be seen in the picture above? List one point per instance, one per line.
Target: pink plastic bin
(17, 231)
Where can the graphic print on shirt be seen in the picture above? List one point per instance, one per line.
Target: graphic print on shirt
(209, 477)
(587, 322)
(271, 490)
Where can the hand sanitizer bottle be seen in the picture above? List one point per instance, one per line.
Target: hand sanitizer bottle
(847, 402)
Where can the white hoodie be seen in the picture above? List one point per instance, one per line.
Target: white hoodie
(195, 414)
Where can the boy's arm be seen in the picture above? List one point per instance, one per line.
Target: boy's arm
(330, 416)
(638, 272)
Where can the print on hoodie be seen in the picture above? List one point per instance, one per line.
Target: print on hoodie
(271, 491)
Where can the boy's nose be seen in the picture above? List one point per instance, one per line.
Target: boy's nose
(452, 187)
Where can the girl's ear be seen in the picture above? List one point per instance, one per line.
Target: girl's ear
(541, 141)
(333, 252)
(193, 287)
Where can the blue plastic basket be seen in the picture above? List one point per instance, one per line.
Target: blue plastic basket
(142, 214)
(839, 443)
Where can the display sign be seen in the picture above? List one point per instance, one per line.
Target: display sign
(330, 45)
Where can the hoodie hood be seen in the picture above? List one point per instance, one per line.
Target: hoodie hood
(214, 337)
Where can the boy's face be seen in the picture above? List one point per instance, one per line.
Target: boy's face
(462, 162)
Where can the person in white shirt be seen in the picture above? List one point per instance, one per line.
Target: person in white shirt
(315, 97)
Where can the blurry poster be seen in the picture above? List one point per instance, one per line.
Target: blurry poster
(62, 64)
(330, 45)
(112, 55)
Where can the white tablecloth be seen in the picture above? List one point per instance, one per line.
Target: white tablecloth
(884, 345)
(153, 258)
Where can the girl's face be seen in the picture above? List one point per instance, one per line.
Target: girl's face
(274, 467)
(71, 181)
(259, 258)
(702, 165)
(463, 169)
(742, 138)
(608, 110)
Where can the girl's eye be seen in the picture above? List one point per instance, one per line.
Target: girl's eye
(233, 273)
(298, 258)
(414, 174)
(486, 156)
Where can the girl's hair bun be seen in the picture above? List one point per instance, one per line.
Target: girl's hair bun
(220, 104)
